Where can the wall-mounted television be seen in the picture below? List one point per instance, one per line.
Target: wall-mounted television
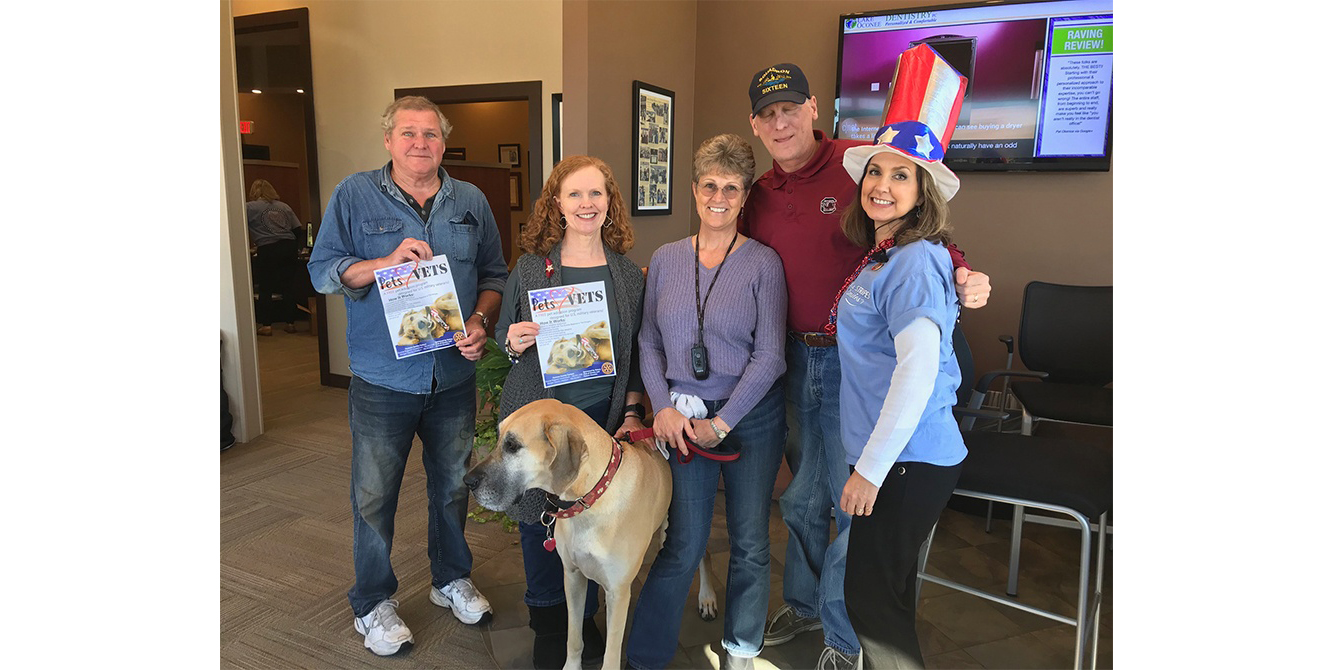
(1039, 93)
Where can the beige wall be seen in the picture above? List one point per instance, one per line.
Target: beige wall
(652, 41)
(361, 50)
(481, 127)
(1016, 227)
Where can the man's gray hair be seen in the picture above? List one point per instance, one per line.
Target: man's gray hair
(414, 103)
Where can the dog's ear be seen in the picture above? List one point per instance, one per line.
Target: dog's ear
(566, 461)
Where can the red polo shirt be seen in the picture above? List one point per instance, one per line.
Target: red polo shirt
(797, 214)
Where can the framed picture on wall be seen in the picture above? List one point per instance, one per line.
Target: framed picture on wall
(653, 129)
(456, 153)
(556, 104)
(509, 154)
(516, 191)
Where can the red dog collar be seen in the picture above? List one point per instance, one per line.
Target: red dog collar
(581, 503)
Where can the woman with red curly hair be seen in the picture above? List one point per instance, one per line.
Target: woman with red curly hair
(577, 233)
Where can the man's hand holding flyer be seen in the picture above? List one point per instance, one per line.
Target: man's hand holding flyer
(420, 306)
(575, 335)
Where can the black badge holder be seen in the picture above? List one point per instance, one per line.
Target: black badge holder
(699, 354)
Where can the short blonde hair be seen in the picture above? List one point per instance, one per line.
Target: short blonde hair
(414, 103)
(261, 189)
(725, 154)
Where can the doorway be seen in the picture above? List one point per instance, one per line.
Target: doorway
(275, 98)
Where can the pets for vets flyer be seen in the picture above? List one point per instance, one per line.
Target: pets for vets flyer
(574, 339)
(420, 306)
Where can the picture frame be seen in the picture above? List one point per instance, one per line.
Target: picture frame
(557, 103)
(653, 131)
(456, 154)
(516, 191)
(508, 154)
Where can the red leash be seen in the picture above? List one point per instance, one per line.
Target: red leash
(711, 454)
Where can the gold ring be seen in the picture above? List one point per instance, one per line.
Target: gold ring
(974, 298)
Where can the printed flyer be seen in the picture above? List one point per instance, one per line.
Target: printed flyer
(575, 335)
(420, 306)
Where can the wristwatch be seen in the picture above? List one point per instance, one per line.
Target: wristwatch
(486, 323)
(722, 434)
(636, 410)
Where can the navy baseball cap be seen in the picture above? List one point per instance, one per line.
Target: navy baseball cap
(783, 82)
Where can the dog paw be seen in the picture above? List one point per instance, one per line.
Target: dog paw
(708, 608)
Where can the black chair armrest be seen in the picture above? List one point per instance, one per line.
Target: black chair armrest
(985, 382)
(961, 412)
(1008, 341)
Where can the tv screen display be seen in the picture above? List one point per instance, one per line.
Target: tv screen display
(1039, 94)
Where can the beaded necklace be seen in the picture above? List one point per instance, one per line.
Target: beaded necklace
(832, 327)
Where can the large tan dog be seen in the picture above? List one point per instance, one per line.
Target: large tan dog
(549, 445)
(571, 353)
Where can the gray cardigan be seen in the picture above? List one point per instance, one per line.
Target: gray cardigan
(524, 383)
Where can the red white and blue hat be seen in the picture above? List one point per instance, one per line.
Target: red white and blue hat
(922, 109)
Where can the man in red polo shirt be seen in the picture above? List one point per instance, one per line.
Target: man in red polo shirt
(795, 209)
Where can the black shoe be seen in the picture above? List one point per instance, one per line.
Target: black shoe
(595, 647)
(549, 636)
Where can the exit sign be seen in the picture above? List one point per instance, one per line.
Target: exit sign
(247, 127)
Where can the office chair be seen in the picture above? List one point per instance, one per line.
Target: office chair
(1066, 331)
(1061, 476)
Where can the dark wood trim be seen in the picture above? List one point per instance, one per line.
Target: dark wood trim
(515, 90)
(556, 99)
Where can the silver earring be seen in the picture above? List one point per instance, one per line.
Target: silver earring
(563, 222)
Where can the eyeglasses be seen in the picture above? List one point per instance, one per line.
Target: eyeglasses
(710, 189)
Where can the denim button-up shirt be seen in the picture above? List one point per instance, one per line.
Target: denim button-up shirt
(367, 218)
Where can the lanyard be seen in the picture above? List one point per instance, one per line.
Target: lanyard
(699, 307)
(832, 327)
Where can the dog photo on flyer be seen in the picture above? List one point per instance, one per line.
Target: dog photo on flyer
(421, 307)
(574, 338)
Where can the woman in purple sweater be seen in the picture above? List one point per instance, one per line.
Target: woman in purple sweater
(711, 353)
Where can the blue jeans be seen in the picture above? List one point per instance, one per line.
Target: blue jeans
(814, 567)
(748, 489)
(543, 571)
(383, 423)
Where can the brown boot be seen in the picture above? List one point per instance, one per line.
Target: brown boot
(266, 330)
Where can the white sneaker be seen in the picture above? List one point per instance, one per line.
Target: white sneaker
(462, 597)
(833, 659)
(385, 632)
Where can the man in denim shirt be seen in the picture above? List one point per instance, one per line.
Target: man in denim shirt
(409, 210)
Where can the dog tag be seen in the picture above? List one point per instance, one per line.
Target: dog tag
(549, 544)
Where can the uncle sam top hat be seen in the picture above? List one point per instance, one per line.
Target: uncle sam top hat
(920, 114)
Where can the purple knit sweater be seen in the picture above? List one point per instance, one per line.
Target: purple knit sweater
(743, 327)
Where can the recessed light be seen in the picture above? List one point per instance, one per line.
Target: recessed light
(301, 90)
(255, 90)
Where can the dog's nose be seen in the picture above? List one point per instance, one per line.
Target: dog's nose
(472, 480)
